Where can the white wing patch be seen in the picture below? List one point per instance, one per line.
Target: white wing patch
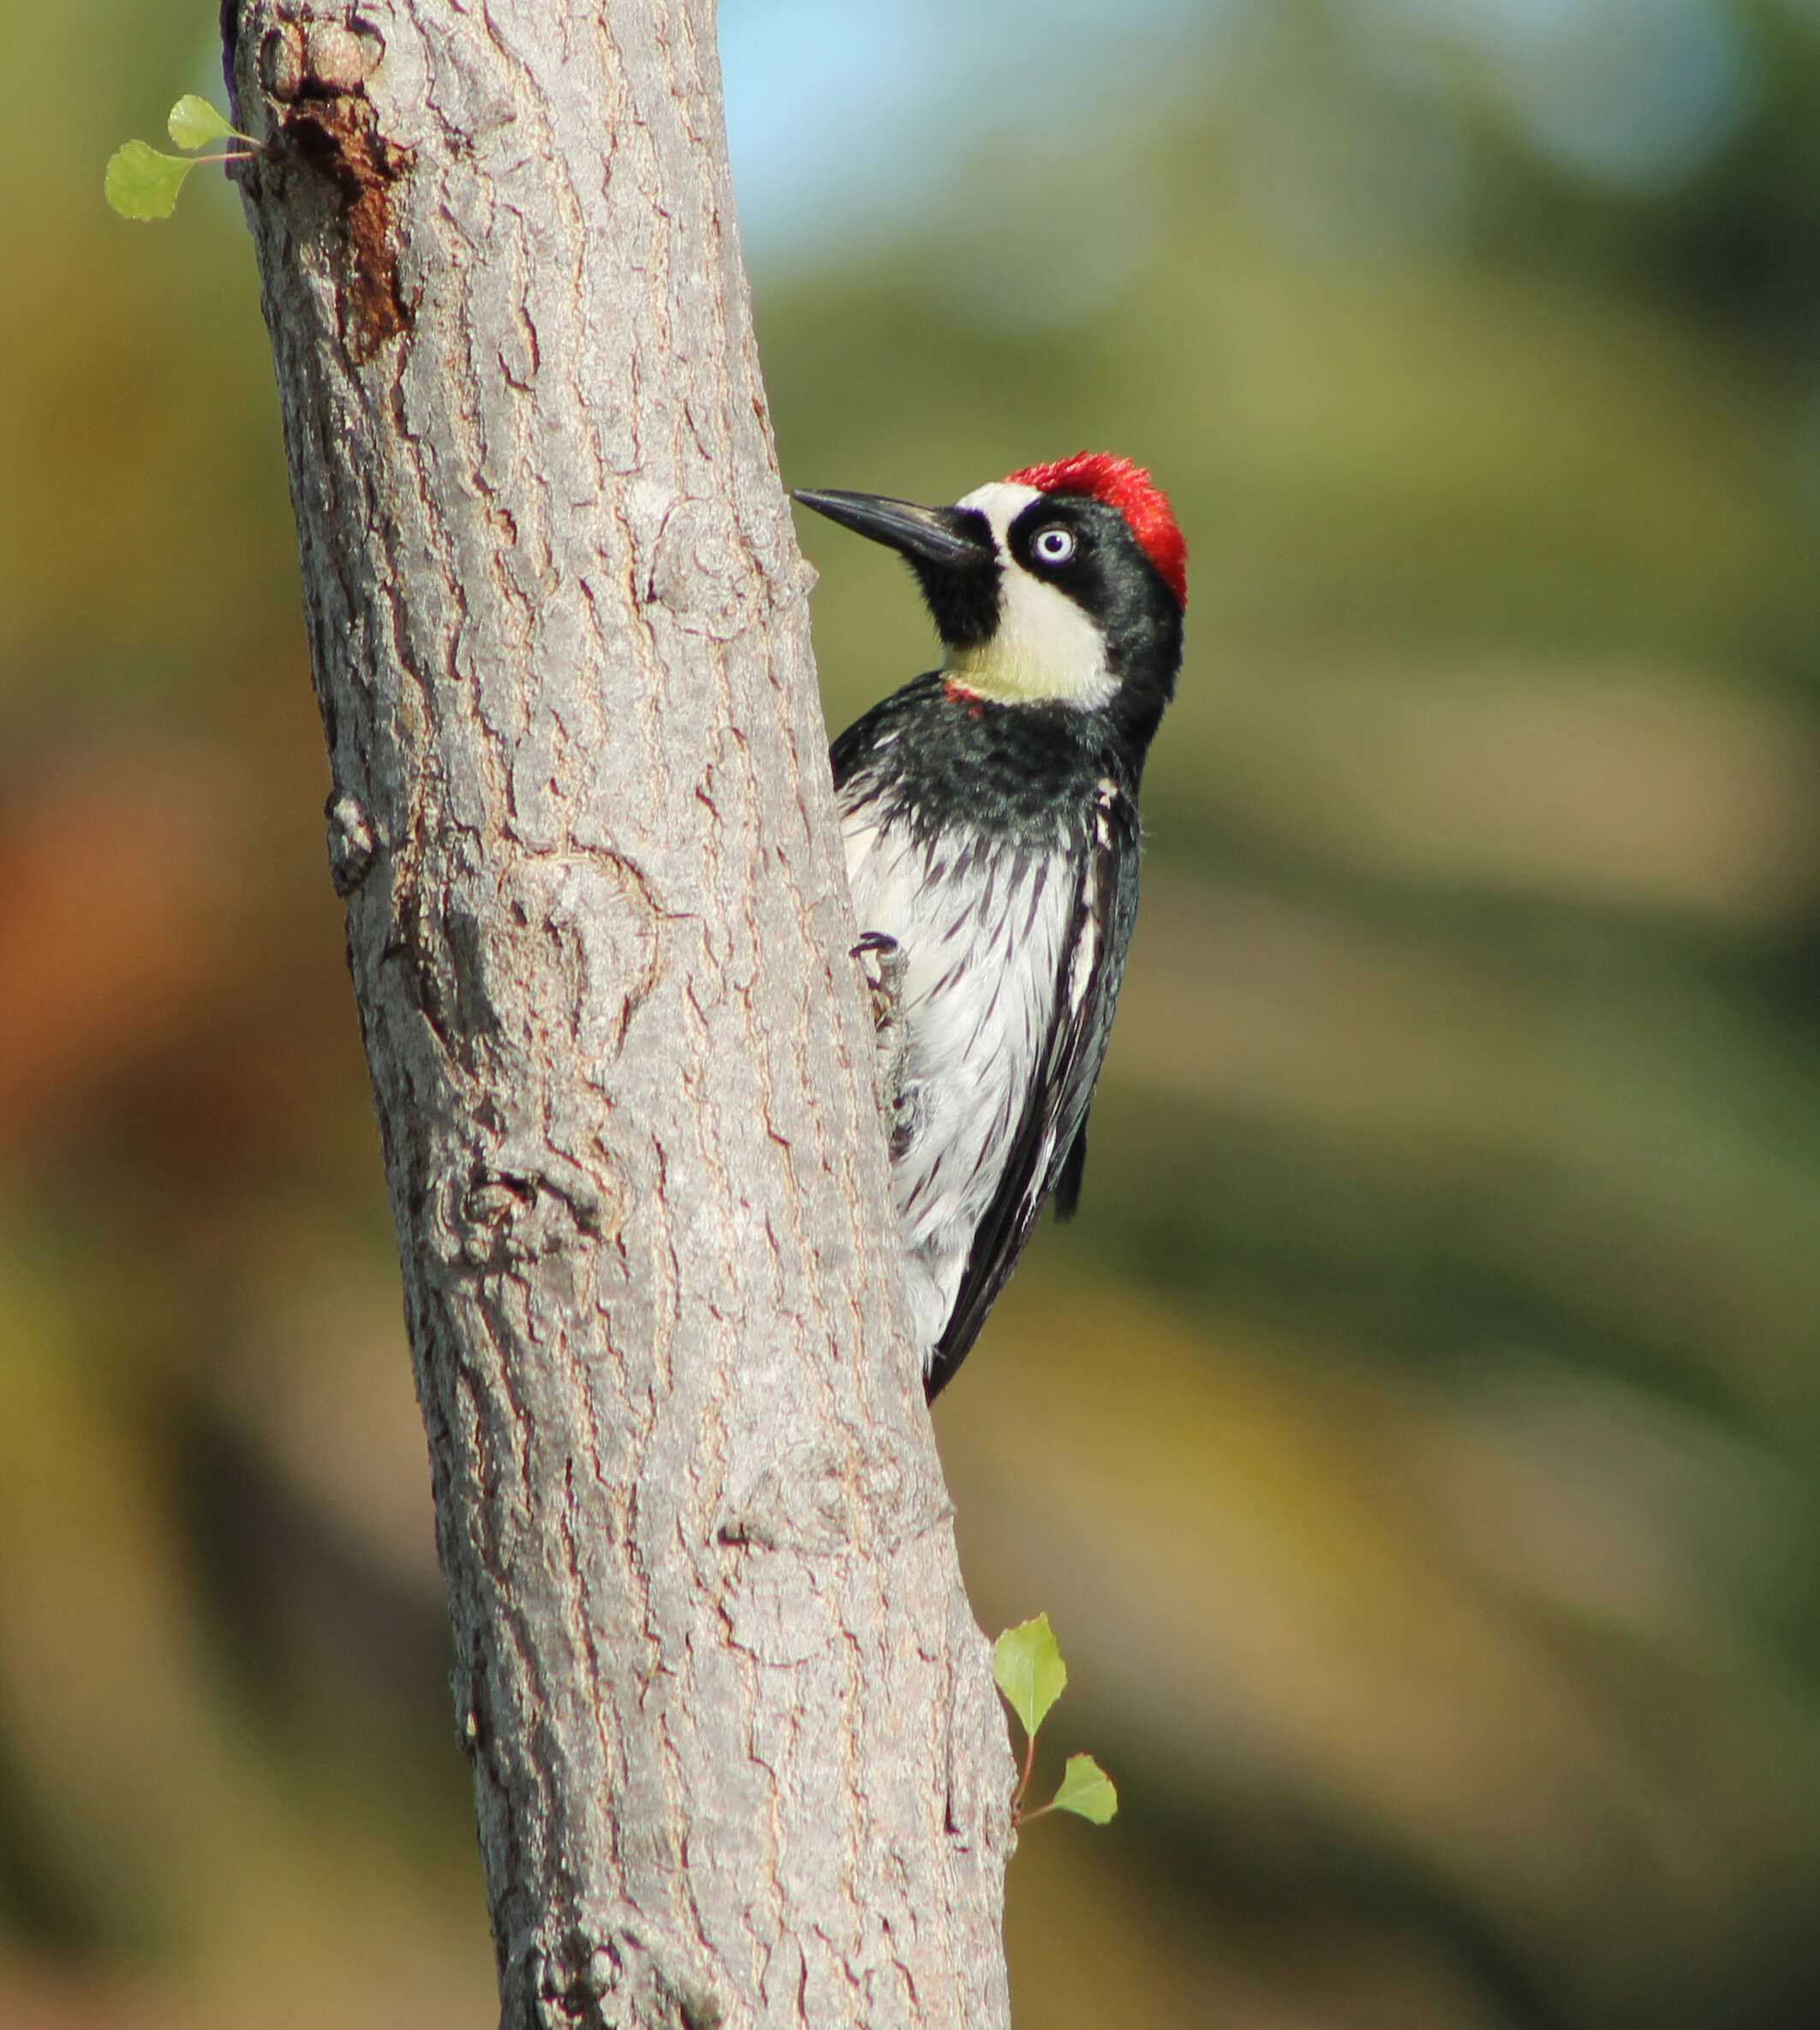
(1045, 649)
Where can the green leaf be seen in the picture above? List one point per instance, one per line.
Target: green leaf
(194, 122)
(1086, 1790)
(142, 184)
(1028, 1668)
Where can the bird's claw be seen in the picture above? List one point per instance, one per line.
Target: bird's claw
(883, 961)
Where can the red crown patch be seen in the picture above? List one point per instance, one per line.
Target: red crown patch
(1099, 475)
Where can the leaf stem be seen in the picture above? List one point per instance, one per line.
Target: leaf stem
(1024, 1782)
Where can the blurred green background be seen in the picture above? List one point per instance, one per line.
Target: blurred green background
(1416, 1442)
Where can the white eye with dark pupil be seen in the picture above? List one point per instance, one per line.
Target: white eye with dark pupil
(1054, 546)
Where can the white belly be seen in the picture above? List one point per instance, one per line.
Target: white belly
(981, 938)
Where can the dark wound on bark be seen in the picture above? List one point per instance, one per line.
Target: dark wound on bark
(315, 73)
(338, 135)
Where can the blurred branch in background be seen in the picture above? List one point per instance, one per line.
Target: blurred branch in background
(1416, 1440)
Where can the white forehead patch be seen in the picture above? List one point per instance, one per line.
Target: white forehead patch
(1001, 503)
(1045, 650)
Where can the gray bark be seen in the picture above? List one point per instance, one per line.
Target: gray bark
(736, 1751)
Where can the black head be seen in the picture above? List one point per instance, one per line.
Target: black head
(1062, 586)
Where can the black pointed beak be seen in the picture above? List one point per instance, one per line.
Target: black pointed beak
(952, 539)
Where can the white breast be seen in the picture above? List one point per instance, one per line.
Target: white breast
(982, 934)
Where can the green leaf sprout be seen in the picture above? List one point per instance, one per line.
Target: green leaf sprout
(1028, 1668)
(143, 182)
(193, 123)
(1086, 1790)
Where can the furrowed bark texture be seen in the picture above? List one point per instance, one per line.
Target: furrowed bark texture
(737, 1754)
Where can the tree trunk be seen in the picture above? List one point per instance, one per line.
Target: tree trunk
(736, 1750)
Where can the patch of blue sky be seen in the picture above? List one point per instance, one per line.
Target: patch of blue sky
(855, 119)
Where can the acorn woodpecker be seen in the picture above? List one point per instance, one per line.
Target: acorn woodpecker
(990, 813)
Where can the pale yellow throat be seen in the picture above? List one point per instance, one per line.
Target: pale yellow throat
(1045, 650)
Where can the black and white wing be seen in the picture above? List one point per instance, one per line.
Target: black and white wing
(1050, 1145)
